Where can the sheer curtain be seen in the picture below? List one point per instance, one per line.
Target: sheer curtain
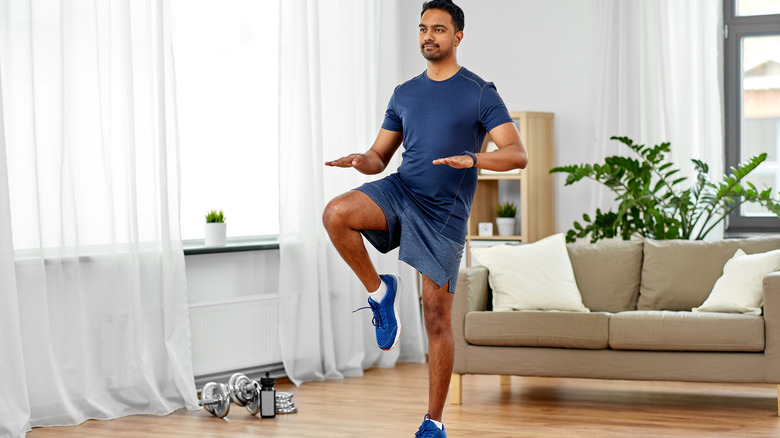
(14, 410)
(94, 314)
(333, 79)
(660, 80)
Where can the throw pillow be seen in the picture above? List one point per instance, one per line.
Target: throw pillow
(740, 288)
(533, 276)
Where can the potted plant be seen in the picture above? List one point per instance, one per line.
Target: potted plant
(505, 220)
(651, 202)
(215, 228)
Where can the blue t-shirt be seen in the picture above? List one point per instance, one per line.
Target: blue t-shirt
(440, 119)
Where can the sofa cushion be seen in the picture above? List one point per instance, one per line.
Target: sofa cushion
(679, 274)
(686, 331)
(607, 273)
(538, 329)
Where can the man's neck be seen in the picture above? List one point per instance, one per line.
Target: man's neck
(442, 70)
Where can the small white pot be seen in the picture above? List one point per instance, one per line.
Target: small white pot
(215, 233)
(506, 226)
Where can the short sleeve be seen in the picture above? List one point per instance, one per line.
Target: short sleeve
(392, 120)
(492, 111)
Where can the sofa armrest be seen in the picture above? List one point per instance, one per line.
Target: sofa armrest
(471, 294)
(772, 325)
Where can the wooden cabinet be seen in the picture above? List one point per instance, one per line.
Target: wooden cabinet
(536, 203)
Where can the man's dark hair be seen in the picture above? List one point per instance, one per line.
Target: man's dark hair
(448, 6)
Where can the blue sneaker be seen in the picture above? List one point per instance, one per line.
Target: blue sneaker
(388, 327)
(428, 429)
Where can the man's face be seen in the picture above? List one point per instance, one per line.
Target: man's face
(438, 38)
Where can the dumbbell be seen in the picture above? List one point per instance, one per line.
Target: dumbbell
(245, 392)
(215, 399)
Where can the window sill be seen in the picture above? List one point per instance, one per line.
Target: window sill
(739, 234)
(255, 243)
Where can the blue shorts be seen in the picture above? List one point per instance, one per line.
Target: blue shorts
(421, 245)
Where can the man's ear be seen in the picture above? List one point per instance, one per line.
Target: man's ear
(458, 37)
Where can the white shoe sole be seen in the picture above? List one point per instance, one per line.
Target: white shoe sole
(398, 288)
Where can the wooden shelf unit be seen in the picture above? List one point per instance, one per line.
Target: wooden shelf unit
(536, 206)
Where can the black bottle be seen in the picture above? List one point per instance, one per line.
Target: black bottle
(267, 396)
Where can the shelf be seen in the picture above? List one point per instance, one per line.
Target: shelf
(259, 243)
(535, 203)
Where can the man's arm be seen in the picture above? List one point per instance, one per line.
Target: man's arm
(375, 159)
(511, 153)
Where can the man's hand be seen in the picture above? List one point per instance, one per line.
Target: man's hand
(351, 160)
(457, 161)
(368, 163)
(376, 158)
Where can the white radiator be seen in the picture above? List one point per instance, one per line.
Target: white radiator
(236, 334)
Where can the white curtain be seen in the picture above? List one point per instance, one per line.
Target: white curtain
(94, 316)
(660, 80)
(14, 410)
(332, 82)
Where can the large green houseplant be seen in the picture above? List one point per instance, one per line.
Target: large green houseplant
(652, 202)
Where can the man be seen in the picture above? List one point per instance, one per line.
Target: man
(441, 116)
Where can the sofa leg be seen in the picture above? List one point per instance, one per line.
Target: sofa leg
(456, 389)
(506, 380)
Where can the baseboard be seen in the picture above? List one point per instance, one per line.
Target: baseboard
(254, 373)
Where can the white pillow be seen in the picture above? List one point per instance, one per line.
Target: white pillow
(534, 276)
(740, 288)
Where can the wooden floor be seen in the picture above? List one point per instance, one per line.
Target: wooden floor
(529, 407)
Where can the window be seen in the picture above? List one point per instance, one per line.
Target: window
(226, 56)
(752, 100)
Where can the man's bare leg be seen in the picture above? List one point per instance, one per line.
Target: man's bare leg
(437, 308)
(343, 218)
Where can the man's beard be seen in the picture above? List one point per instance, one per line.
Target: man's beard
(434, 55)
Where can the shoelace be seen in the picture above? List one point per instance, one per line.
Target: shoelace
(423, 431)
(374, 306)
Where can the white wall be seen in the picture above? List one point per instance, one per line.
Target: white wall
(231, 275)
(541, 56)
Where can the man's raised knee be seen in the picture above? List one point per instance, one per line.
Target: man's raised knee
(335, 214)
(353, 210)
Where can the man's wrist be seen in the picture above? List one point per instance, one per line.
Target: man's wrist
(472, 155)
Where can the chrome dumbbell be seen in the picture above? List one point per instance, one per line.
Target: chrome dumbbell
(215, 399)
(245, 392)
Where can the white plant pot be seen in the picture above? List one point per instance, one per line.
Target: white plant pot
(215, 233)
(506, 226)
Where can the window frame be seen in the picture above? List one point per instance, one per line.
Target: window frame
(735, 28)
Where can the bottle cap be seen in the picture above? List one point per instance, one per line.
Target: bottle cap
(267, 380)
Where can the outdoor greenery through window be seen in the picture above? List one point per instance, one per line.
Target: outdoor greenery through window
(226, 56)
(761, 109)
(752, 91)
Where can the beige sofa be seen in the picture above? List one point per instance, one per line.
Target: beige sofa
(640, 327)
